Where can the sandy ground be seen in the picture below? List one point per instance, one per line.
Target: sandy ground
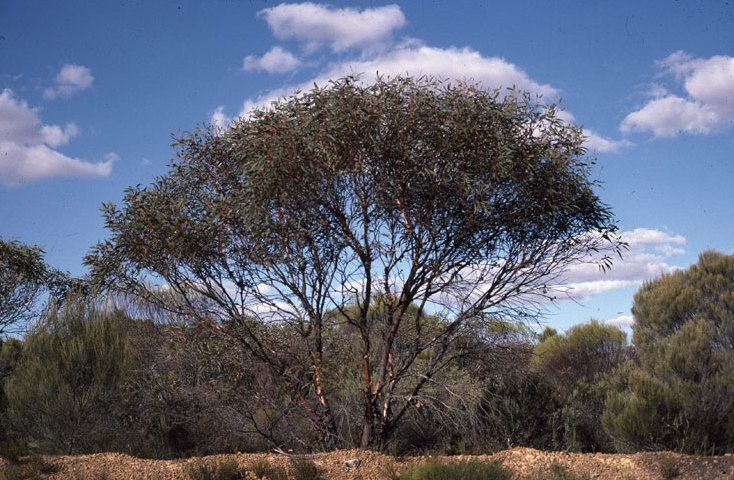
(527, 464)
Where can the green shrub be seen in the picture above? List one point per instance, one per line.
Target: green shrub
(522, 409)
(70, 370)
(30, 468)
(577, 364)
(464, 470)
(669, 468)
(559, 472)
(678, 394)
(13, 450)
(200, 469)
(79, 475)
(303, 469)
(264, 469)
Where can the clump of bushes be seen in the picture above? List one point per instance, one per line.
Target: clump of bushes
(200, 469)
(669, 468)
(465, 470)
(556, 471)
(264, 469)
(28, 468)
(304, 470)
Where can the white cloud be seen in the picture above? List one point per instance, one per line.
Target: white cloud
(411, 59)
(55, 136)
(276, 60)
(27, 147)
(671, 115)
(70, 80)
(648, 236)
(600, 144)
(706, 107)
(647, 258)
(219, 119)
(340, 28)
(621, 321)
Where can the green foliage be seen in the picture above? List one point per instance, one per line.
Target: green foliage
(304, 469)
(264, 469)
(23, 275)
(520, 408)
(582, 353)
(679, 393)
(669, 468)
(547, 333)
(62, 388)
(465, 470)
(83, 475)
(407, 183)
(28, 468)
(556, 471)
(578, 364)
(13, 450)
(201, 469)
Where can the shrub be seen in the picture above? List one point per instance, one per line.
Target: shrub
(679, 392)
(669, 468)
(304, 470)
(30, 468)
(559, 472)
(70, 370)
(264, 469)
(200, 469)
(521, 409)
(465, 470)
(80, 475)
(13, 450)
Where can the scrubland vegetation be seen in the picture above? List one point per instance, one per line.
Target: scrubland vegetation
(361, 267)
(93, 377)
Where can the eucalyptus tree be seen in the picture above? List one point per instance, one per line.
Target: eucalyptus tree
(23, 277)
(447, 204)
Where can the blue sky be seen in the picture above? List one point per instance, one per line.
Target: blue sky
(91, 93)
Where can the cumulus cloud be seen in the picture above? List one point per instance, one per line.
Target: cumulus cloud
(622, 321)
(600, 144)
(219, 119)
(707, 105)
(70, 80)
(415, 59)
(648, 257)
(317, 24)
(339, 28)
(27, 147)
(276, 60)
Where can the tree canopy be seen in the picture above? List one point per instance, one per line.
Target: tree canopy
(23, 276)
(679, 394)
(449, 204)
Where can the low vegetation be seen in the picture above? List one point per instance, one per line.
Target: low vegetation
(333, 274)
(30, 467)
(120, 377)
(556, 471)
(208, 470)
(466, 470)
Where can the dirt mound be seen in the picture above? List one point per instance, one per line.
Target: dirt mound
(527, 464)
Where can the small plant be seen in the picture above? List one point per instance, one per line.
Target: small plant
(559, 472)
(264, 469)
(223, 470)
(12, 451)
(304, 469)
(30, 468)
(390, 472)
(465, 470)
(669, 469)
(80, 475)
